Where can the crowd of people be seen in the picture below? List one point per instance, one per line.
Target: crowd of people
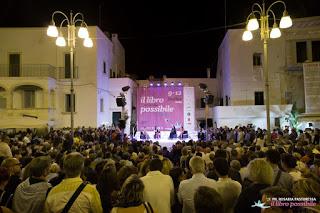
(99, 170)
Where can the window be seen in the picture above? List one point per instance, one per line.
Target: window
(110, 72)
(257, 59)
(288, 97)
(315, 50)
(29, 99)
(101, 105)
(68, 102)
(202, 102)
(14, 65)
(3, 102)
(301, 49)
(104, 67)
(258, 98)
(67, 65)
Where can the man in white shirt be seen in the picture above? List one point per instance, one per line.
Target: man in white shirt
(187, 188)
(228, 189)
(158, 188)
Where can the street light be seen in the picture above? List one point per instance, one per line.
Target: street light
(52, 31)
(253, 24)
(204, 89)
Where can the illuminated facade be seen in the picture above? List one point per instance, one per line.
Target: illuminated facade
(240, 73)
(35, 79)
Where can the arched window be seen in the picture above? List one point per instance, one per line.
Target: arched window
(28, 95)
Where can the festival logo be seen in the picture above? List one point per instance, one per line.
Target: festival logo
(160, 106)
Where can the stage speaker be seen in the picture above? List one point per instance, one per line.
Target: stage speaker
(209, 122)
(209, 99)
(121, 101)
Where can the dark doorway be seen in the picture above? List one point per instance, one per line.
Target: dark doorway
(115, 118)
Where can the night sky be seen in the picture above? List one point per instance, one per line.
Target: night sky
(168, 37)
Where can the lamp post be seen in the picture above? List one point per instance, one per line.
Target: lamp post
(253, 24)
(206, 92)
(52, 31)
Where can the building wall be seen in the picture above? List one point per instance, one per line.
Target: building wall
(38, 53)
(118, 64)
(239, 78)
(235, 64)
(115, 88)
(103, 64)
(240, 73)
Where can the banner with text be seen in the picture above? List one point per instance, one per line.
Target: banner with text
(160, 107)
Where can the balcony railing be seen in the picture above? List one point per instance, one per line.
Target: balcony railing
(36, 70)
(64, 73)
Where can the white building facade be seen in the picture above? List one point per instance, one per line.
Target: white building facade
(35, 79)
(241, 80)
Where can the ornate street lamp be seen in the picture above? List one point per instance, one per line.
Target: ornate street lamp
(253, 24)
(52, 31)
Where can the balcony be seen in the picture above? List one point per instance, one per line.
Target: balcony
(36, 70)
(64, 73)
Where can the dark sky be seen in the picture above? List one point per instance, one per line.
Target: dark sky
(176, 38)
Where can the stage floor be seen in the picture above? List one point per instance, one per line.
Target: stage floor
(165, 140)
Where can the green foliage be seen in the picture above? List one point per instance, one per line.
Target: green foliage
(293, 116)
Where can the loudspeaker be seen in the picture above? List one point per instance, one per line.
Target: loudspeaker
(209, 122)
(209, 99)
(121, 101)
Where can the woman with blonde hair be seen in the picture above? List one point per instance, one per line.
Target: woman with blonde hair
(261, 176)
(131, 197)
(167, 166)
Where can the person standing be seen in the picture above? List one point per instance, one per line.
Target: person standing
(159, 188)
(5, 150)
(187, 188)
(14, 167)
(88, 199)
(30, 195)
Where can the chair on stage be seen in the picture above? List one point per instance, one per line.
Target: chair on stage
(184, 135)
(144, 135)
(173, 135)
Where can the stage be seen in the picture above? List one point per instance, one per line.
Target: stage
(165, 140)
